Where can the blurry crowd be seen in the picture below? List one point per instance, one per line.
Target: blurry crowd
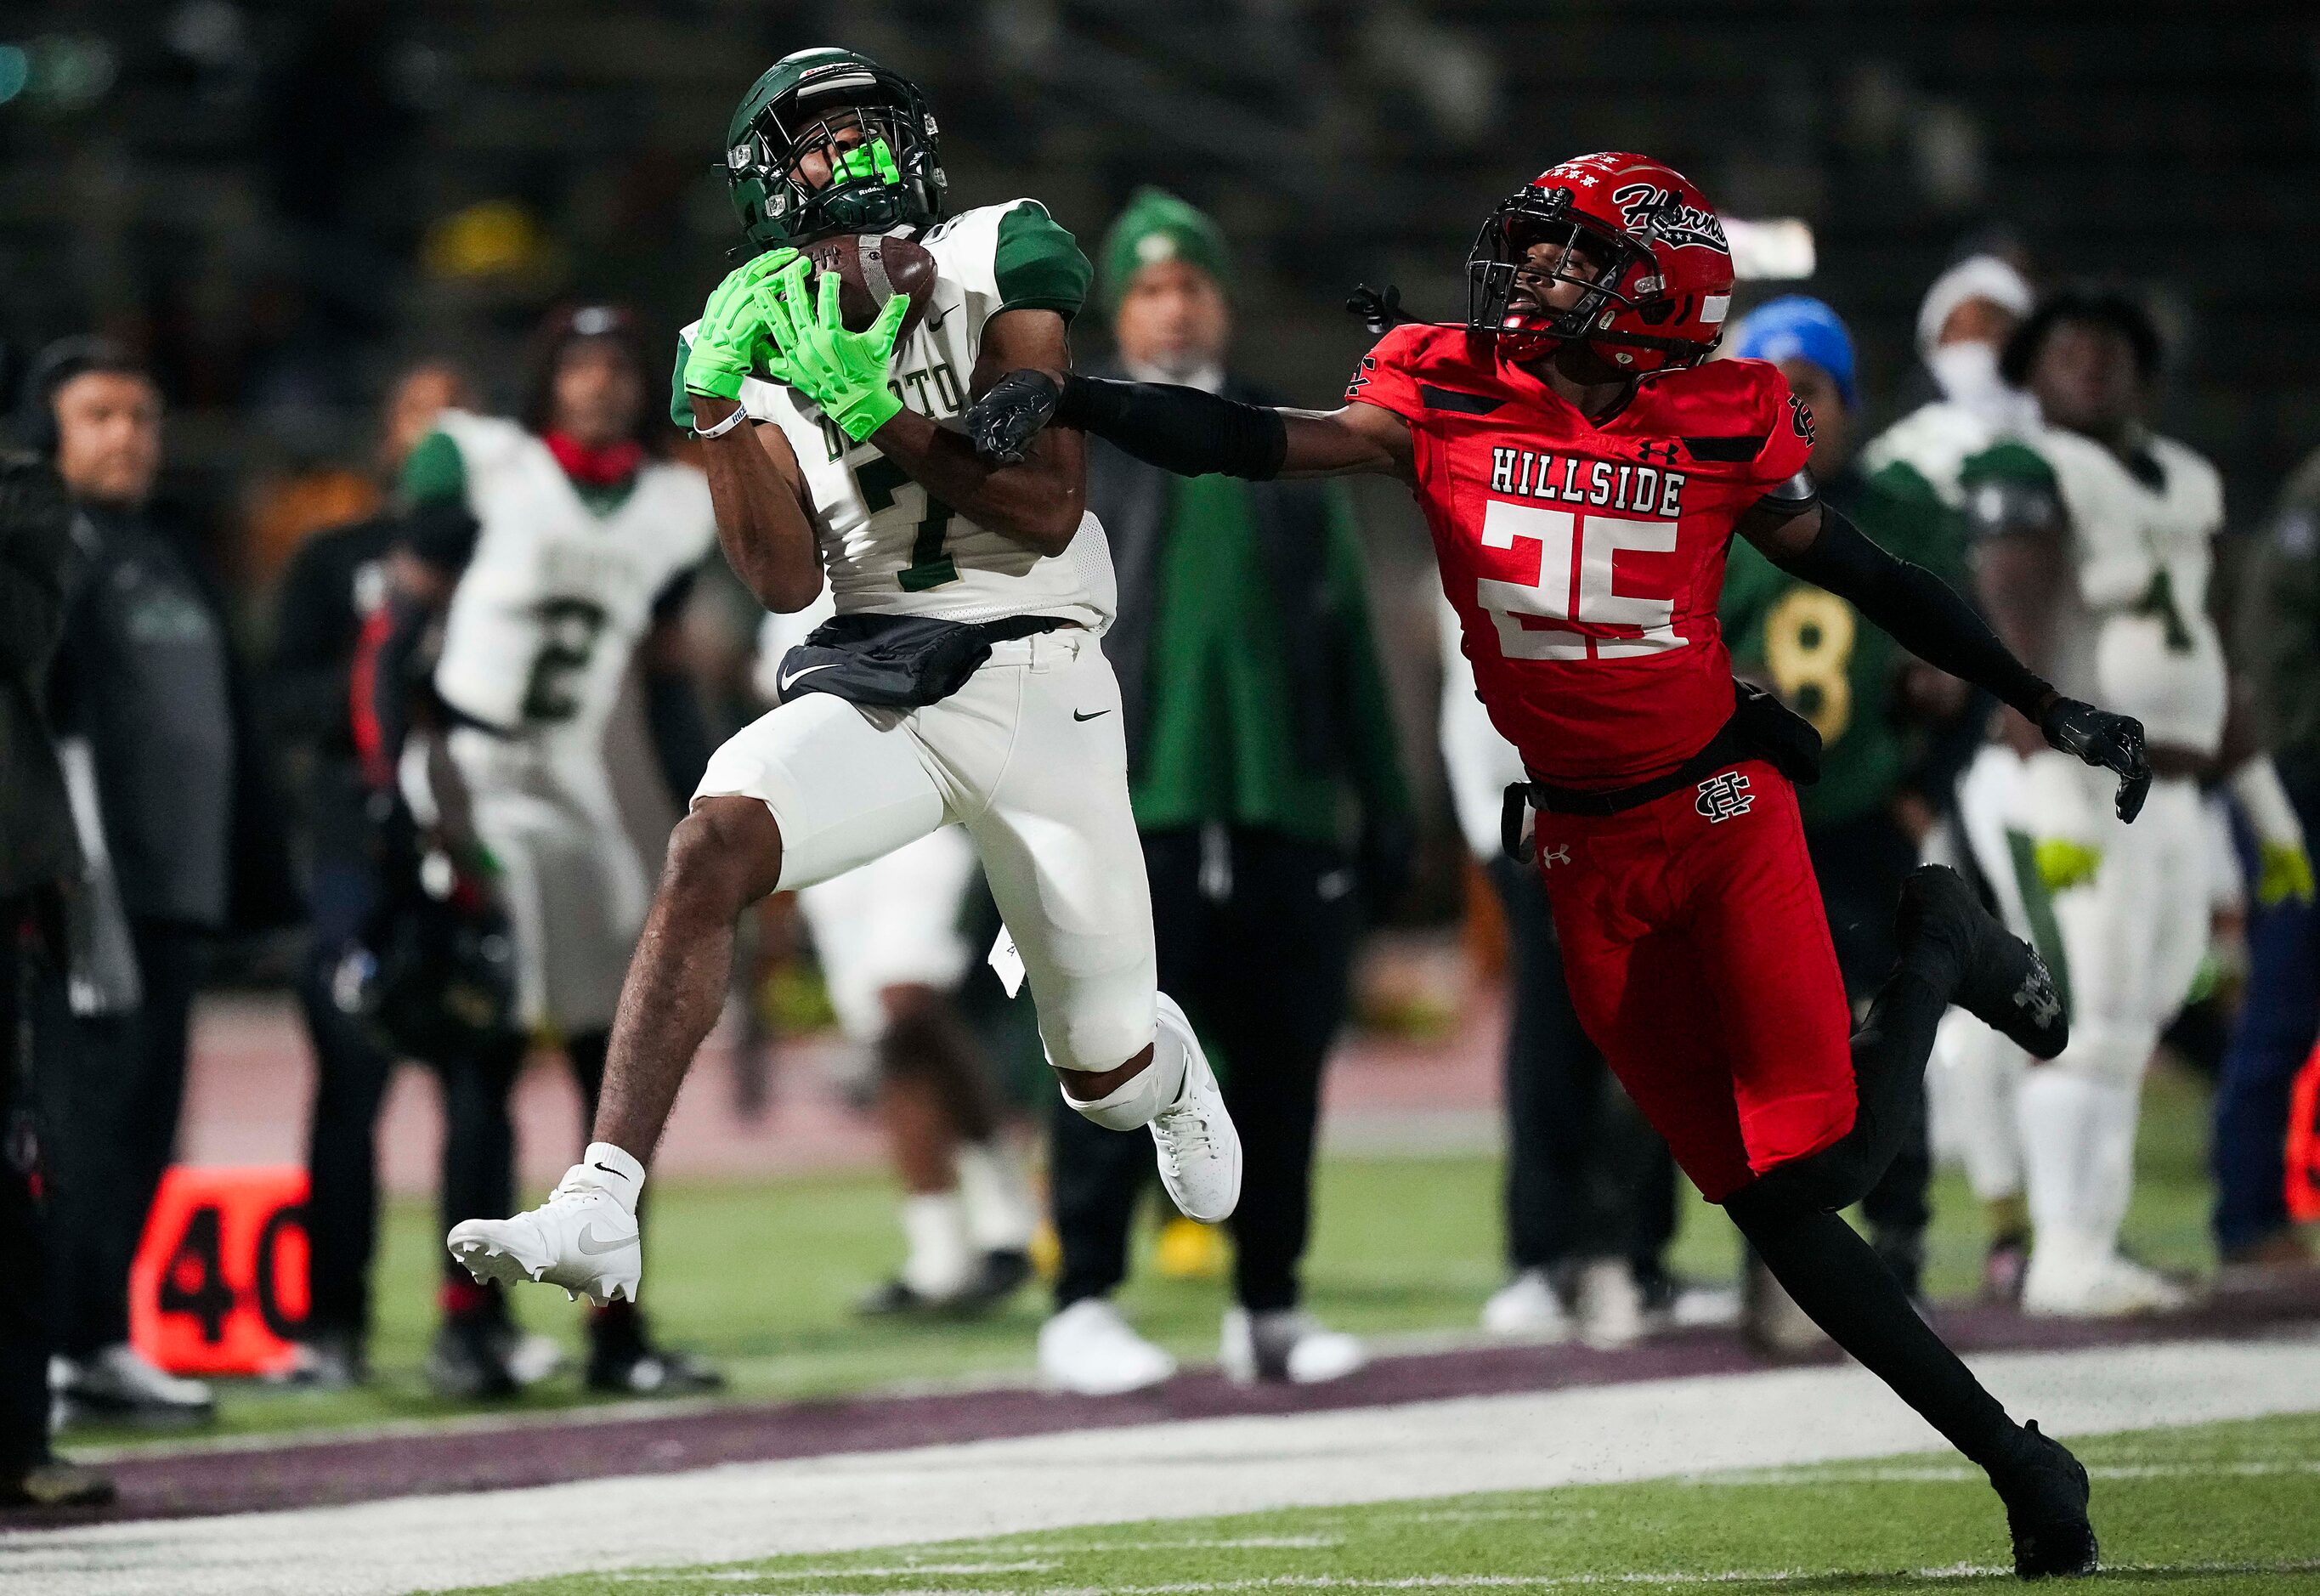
(164, 790)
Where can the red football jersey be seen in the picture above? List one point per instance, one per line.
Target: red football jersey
(1585, 559)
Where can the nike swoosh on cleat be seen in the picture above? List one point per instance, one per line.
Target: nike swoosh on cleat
(1090, 716)
(792, 680)
(587, 1243)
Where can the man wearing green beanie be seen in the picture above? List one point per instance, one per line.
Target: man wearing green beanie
(1270, 797)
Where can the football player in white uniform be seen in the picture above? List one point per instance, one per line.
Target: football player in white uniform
(892, 951)
(962, 681)
(2116, 605)
(558, 547)
(1969, 450)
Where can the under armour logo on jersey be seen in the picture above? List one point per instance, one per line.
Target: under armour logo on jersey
(1724, 795)
(1666, 452)
(1560, 854)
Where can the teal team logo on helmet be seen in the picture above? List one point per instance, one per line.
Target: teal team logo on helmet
(828, 141)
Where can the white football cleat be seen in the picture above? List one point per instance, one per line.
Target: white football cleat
(1200, 1150)
(1610, 1307)
(1528, 1307)
(1285, 1345)
(2060, 1285)
(1089, 1350)
(584, 1238)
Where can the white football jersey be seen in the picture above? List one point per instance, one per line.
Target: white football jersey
(1934, 441)
(550, 609)
(2143, 642)
(887, 545)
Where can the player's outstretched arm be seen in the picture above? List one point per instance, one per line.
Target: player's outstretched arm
(1815, 542)
(1039, 496)
(1188, 432)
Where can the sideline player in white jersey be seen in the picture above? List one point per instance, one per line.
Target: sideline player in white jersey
(2112, 601)
(558, 549)
(893, 953)
(961, 681)
(1969, 450)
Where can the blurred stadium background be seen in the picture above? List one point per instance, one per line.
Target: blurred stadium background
(279, 202)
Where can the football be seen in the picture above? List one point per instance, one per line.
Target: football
(872, 270)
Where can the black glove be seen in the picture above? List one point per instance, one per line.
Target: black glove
(2109, 741)
(1004, 422)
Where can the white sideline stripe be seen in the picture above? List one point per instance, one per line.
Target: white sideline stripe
(1195, 1468)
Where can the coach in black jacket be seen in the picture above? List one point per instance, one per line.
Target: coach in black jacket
(40, 857)
(146, 700)
(1270, 797)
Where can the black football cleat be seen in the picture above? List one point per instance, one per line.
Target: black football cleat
(2001, 981)
(2046, 1490)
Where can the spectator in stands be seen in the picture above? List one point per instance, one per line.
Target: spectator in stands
(1895, 732)
(1589, 1192)
(1266, 785)
(39, 854)
(2279, 1017)
(335, 588)
(173, 793)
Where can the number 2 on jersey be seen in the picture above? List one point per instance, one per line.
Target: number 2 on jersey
(880, 480)
(1584, 595)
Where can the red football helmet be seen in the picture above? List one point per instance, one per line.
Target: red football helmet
(1661, 276)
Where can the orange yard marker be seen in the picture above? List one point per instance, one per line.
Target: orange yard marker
(219, 1286)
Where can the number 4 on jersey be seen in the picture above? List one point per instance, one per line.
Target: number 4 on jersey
(1575, 555)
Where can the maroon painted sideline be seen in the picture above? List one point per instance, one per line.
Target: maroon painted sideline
(544, 1451)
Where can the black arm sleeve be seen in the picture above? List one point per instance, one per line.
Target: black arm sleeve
(1925, 614)
(1180, 429)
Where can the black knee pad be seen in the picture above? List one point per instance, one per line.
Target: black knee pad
(1835, 1177)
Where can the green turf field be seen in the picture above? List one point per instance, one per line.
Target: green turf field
(763, 1276)
(2215, 1509)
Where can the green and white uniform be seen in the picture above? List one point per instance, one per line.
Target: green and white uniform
(542, 628)
(1028, 757)
(886, 547)
(1828, 664)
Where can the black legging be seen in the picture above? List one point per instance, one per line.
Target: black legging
(1261, 970)
(1790, 1216)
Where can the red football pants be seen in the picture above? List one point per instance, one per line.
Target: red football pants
(1700, 961)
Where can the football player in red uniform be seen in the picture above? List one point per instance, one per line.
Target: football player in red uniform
(1584, 473)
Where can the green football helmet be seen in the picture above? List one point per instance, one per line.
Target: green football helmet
(890, 176)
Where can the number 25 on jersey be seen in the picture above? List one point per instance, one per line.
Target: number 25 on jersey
(1573, 590)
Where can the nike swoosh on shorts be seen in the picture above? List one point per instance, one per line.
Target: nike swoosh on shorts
(1090, 716)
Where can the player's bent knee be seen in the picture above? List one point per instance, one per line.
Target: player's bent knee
(1837, 1176)
(723, 857)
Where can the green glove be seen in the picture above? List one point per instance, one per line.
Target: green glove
(2283, 873)
(2062, 863)
(843, 372)
(731, 337)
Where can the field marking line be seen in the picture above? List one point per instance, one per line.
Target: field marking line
(1185, 1469)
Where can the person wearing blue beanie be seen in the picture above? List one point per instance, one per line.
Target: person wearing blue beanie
(1798, 327)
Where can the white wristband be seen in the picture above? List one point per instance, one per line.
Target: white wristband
(720, 428)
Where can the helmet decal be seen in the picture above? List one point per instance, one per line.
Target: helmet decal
(1661, 212)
